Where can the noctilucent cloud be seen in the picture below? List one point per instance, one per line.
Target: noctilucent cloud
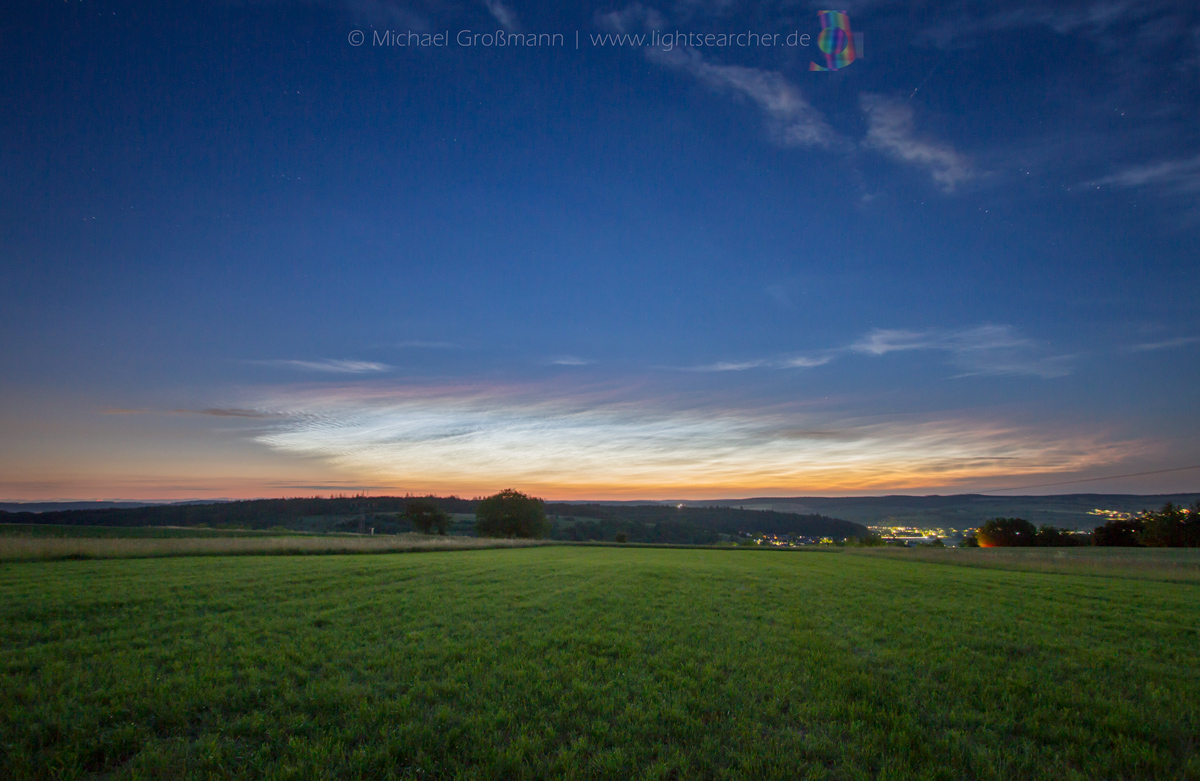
(598, 250)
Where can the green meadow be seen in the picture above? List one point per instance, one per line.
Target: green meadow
(40, 530)
(592, 662)
(136, 542)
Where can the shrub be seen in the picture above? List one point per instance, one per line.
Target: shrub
(511, 514)
(1170, 527)
(427, 517)
(1054, 537)
(1006, 533)
(1117, 534)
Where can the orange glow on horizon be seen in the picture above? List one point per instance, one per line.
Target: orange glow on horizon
(549, 441)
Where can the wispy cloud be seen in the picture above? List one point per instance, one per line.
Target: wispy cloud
(728, 366)
(329, 365)
(1179, 177)
(805, 361)
(541, 437)
(570, 360)
(1167, 344)
(791, 119)
(502, 13)
(632, 18)
(981, 338)
(884, 341)
(790, 362)
(982, 350)
(890, 130)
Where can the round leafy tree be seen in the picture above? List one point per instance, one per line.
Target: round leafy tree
(1006, 533)
(427, 517)
(511, 514)
(1118, 533)
(1170, 527)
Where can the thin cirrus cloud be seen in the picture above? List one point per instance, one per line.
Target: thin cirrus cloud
(1176, 177)
(631, 18)
(328, 366)
(557, 442)
(1166, 344)
(890, 131)
(882, 341)
(986, 350)
(791, 362)
(502, 14)
(791, 120)
(729, 366)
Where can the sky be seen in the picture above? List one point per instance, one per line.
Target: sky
(257, 249)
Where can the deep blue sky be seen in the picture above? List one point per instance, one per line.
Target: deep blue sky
(243, 257)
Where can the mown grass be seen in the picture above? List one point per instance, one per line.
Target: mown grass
(155, 532)
(22, 548)
(567, 662)
(1166, 564)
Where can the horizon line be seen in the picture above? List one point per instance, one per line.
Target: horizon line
(220, 500)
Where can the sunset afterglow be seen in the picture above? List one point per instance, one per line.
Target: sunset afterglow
(307, 249)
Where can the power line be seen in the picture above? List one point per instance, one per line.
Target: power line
(1091, 479)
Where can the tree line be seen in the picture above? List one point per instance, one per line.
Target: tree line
(706, 522)
(508, 513)
(247, 514)
(1171, 526)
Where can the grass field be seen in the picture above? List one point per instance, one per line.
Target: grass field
(86, 546)
(569, 662)
(139, 532)
(1166, 564)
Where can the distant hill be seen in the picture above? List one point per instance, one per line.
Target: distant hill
(1071, 511)
(642, 522)
(714, 520)
(809, 516)
(249, 514)
(43, 507)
